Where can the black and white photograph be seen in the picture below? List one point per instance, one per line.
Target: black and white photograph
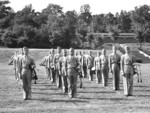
(74, 56)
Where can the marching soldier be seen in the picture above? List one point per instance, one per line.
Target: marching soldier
(84, 65)
(104, 67)
(90, 62)
(72, 74)
(63, 71)
(13, 61)
(18, 61)
(79, 58)
(127, 72)
(45, 64)
(114, 65)
(56, 64)
(25, 73)
(97, 68)
(51, 66)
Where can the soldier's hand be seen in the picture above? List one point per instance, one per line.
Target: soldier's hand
(60, 72)
(122, 73)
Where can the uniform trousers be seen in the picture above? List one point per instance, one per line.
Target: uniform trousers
(90, 74)
(72, 82)
(104, 72)
(47, 72)
(116, 76)
(128, 80)
(84, 71)
(26, 83)
(98, 75)
(58, 78)
(64, 81)
(52, 74)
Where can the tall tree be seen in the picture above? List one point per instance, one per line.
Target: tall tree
(6, 14)
(124, 22)
(140, 37)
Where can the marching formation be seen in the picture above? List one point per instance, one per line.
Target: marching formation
(64, 69)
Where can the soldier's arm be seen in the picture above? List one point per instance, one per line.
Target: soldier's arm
(100, 62)
(95, 62)
(122, 64)
(42, 63)
(20, 67)
(60, 64)
(54, 61)
(66, 66)
(11, 61)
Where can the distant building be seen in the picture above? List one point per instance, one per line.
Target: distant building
(122, 38)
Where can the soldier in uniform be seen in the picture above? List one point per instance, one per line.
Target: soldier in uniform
(84, 65)
(80, 68)
(51, 66)
(127, 72)
(56, 64)
(44, 63)
(13, 61)
(18, 60)
(25, 73)
(97, 68)
(63, 71)
(90, 62)
(72, 74)
(104, 68)
(114, 66)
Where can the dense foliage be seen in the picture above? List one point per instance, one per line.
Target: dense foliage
(52, 27)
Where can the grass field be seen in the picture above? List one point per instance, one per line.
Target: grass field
(92, 98)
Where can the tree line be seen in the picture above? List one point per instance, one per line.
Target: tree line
(52, 27)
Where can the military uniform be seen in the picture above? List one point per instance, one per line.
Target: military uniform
(44, 63)
(63, 71)
(26, 76)
(97, 69)
(57, 56)
(90, 62)
(104, 69)
(127, 65)
(84, 66)
(51, 67)
(18, 64)
(114, 62)
(72, 74)
(80, 68)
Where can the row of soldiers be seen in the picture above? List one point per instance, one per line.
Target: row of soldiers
(64, 69)
(23, 65)
(15, 62)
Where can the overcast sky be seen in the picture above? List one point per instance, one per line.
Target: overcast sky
(97, 6)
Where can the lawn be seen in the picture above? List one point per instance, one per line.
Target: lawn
(92, 98)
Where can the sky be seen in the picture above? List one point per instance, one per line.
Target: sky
(97, 6)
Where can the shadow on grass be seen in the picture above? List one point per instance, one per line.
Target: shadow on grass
(144, 96)
(66, 101)
(97, 92)
(43, 89)
(111, 99)
(48, 93)
(142, 90)
(142, 86)
(44, 84)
